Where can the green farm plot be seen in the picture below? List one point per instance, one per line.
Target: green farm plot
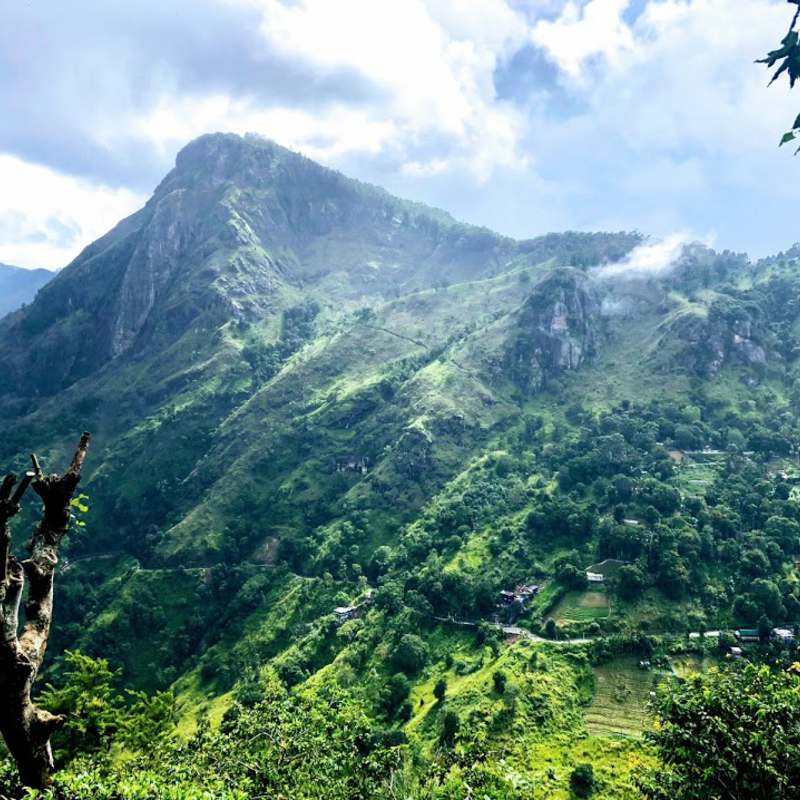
(689, 664)
(588, 606)
(621, 694)
(695, 478)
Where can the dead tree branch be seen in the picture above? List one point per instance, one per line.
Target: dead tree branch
(26, 728)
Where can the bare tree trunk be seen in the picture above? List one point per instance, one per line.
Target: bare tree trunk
(26, 728)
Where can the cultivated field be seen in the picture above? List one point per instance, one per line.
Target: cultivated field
(621, 694)
(580, 607)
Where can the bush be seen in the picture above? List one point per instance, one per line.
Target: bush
(440, 690)
(582, 782)
(451, 725)
(500, 679)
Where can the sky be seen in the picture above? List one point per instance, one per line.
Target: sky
(526, 116)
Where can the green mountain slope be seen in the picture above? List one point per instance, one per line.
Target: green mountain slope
(301, 386)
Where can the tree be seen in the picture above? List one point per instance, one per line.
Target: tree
(451, 725)
(500, 679)
(149, 722)
(582, 782)
(788, 55)
(397, 692)
(25, 727)
(731, 734)
(411, 653)
(91, 708)
(631, 581)
(440, 689)
(572, 577)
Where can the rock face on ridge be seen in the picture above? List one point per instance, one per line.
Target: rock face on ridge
(556, 329)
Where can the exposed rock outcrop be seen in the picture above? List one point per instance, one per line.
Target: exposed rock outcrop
(556, 330)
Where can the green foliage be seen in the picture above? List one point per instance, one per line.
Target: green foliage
(289, 745)
(410, 654)
(788, 58)
(451, 725)
(150, 721)
(93, 709)
(730, 734)
(582, 782)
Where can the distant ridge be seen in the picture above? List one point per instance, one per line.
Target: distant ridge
(19, 286)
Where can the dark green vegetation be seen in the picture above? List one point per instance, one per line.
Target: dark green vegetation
(19, 286)
(301, 387)
(787, 58)
(736, 734)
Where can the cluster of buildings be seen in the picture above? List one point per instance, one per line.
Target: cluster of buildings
(752, 636)
(520, 595)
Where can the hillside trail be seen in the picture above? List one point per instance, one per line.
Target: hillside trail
(511, 630)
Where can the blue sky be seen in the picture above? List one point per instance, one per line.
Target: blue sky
(527, 116)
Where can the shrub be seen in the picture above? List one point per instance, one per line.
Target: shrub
(582, 782)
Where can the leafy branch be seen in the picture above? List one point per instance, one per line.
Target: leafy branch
(788, 56)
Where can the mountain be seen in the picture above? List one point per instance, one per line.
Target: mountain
(300, 386)
(19, 286)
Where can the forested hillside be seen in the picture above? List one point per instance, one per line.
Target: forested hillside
(331, 427)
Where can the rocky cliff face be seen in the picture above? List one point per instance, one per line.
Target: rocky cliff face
(707, 343)
(556, 329)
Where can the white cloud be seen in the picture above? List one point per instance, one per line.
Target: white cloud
(433, 64)
(325, 134)
(652, 259)
(678, 129)
(46, 218)
(596, 29)
(682, 75)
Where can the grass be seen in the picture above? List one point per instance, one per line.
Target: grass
(621, 693)
(588, 606)
(691, 663)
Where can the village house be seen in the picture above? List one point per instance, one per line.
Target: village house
(707, 635)
(344, 613)
(507, 597)
(748, 635)
(736, 652)
(525, 592)
(595, 577)
(352, 464)
(784, 635)
(522, 594)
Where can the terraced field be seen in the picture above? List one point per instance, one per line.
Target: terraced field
(621, 693)
(577, 607)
